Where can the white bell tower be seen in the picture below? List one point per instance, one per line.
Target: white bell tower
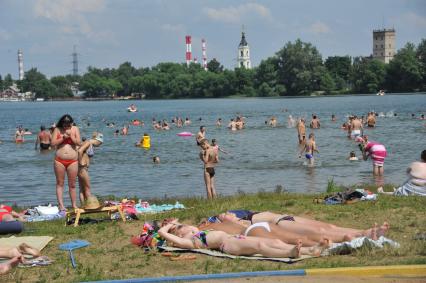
(243, 59)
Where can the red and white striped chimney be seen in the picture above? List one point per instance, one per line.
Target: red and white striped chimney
(203, 48)
(188, 49)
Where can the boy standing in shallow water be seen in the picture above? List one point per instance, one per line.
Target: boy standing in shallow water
(309, 148)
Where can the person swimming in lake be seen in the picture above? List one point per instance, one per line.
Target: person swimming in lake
(352, 156)
(19, 135)
(301, 131)
(200, 135)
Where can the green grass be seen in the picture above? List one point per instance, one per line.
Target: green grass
(111, 256)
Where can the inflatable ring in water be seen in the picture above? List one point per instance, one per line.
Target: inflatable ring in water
(185, 134)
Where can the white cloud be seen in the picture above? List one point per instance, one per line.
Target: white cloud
(235, 14)
(173, 28)
(319, 28)
(4, 35)
(66, 10)
(415, 20)
(70, 15)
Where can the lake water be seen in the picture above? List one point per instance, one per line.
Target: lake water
(260, 157)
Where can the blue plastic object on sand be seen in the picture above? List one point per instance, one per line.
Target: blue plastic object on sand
(70, 246)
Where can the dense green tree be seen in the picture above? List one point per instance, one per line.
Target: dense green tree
(8, 81)
(1, 83)
(63, 85)
(295, 65)
(31, 77)
(214, 66)
(339, 67)
(404, 72)
(97, 86)
(367, 75)
(421, 56)
(43, 88)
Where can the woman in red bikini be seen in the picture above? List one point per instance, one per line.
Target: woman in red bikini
(66, 137)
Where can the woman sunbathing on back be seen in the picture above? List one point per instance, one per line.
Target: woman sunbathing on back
(265, 230)
(190, 237)
(301, 227)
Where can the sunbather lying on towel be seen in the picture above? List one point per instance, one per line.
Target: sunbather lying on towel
(7, 214)
(263, 230)
(16, 256)
(294, 226)
(190, 237)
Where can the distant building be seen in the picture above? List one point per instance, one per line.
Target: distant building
(384, 44)
(243, 59)
(12, 93)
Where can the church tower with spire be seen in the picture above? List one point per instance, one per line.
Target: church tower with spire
(243, 59)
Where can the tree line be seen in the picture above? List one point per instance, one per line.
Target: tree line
(296, 69)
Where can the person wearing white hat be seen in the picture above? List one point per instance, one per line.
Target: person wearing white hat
(85, 152)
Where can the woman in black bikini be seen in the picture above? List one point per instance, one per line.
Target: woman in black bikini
(210, 158)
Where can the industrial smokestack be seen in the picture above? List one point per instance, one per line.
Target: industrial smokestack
(20, 65)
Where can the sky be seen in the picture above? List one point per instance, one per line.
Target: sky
(147, 32)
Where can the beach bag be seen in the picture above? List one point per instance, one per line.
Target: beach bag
(349, 195)
(149, 239)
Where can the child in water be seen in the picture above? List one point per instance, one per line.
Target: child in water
(352, 156)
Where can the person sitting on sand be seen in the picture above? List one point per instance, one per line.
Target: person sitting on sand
(8, 214)
(16, 256)
(416, 183)
(190, 237)
(304, 227)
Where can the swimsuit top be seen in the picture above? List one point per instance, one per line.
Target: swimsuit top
(6, 207)
(66, 140)
(240, 214)
(202, 236)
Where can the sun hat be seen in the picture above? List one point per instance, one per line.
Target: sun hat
(92, 203)
(99, 137)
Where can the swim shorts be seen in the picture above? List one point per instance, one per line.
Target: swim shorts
(309, 156)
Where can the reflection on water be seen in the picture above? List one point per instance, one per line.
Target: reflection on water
(259, 157)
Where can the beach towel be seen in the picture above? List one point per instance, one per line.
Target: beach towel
(153, 208)
(220, 254)
(38, 242)
(357, 243)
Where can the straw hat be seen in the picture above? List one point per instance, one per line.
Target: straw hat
(92, 203)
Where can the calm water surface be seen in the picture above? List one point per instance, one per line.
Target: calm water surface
(260, 157)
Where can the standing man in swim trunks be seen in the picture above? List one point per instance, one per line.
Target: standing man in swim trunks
(201, 135)
(210, 158)
(309, 148)
(44, 138)
(356, 127)
(301, 131)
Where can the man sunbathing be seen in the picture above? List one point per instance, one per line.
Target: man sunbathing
(190, 237)
(16, 255)
(314, 230)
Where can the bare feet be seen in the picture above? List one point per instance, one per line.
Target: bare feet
(26, 249)
(296, 251)
(376, 232)
(8, 265)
